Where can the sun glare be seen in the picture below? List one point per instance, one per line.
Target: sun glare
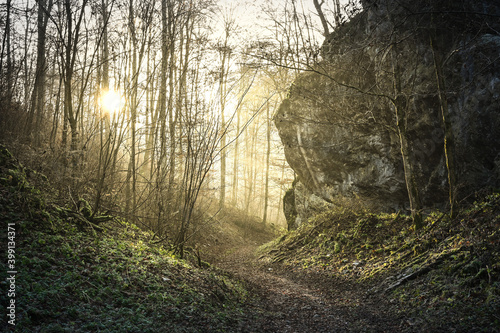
(111, 101)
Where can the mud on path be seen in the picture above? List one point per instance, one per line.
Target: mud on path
(299, 301)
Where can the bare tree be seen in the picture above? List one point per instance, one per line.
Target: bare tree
(7, 52)
(69, 59)
(449, 141)
(38, 96)
(225, 51)
(324, 22)
(268, 156)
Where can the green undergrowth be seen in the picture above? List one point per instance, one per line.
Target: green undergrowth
(445, 277)
(76, 276)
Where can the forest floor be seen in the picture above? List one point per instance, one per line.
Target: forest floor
(351, 271)
(343, 271)
(295, 300)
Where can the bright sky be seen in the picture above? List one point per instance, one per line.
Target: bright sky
(251, 18)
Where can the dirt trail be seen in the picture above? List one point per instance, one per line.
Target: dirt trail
(302, 301)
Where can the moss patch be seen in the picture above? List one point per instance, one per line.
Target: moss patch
(76, 276)
(446, 275)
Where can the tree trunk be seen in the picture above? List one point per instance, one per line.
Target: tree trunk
(172, 112)
(162, 117)
(105, 135)
(400, 105)
(449, 141)
(250, 179)
(6, 45)
(55, 122)
(222, 91)
(268, 155)
(324, 22)
(37, 99)
(69, 64)
(235, 161)
(133, 86)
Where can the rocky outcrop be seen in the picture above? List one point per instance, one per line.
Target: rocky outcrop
(338, 125)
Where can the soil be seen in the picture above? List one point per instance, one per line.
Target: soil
(302, 300)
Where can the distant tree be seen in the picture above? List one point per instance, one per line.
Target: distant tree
(107, 144)
(225, 53)
(268, 157)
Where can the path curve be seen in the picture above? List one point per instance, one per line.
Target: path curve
(300, 301)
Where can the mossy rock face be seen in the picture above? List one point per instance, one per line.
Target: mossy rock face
(340, 138)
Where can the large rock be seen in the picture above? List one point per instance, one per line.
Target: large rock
(338, 125)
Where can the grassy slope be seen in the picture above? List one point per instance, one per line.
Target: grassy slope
(75, 278)
(443, 278)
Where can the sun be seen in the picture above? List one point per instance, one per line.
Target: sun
(111, 101)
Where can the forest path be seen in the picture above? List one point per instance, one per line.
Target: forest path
(296, 300)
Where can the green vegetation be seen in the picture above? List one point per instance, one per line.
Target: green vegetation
(445, 276)
(79, 274)
(83, 272)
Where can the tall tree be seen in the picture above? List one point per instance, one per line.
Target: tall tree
(38, 96)
(69, 59)
(174, 16)
(7, 52)
(449, 141)
(225, 51)
(401, 109)
(105, 134)
(162, 111)
(324, 22)
(268, 156)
